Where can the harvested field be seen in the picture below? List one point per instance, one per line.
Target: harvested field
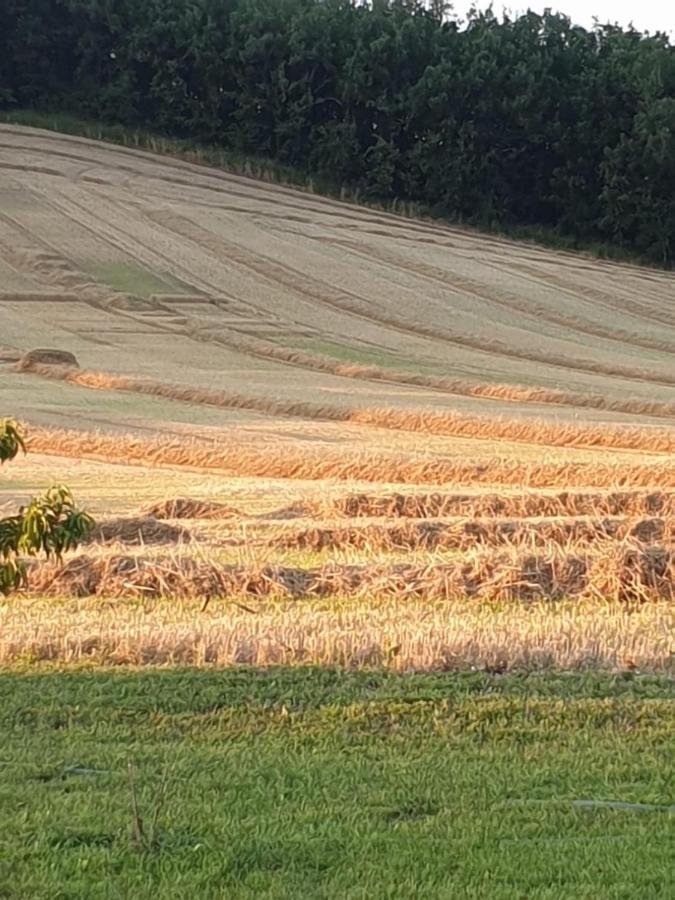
(415, 635)
(167, 276)
(628, 573)
(315, 433)
(463, 535)
(294, 566)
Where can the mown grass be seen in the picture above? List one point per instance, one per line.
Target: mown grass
(319, 783)
(133, 279)
(352, 354)
(266, 169)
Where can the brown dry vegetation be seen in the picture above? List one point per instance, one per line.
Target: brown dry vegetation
(552, 505)
(463, 535)
(620, 573)
(34, 359)
(187, 508)
(137, 530)
(511, 576)
(647, 440)
(302, 462)
(416, 634)
(392, 443)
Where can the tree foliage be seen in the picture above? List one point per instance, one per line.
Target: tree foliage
(529, 121)
(50, 524)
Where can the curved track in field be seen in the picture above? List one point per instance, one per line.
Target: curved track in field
(145, 266)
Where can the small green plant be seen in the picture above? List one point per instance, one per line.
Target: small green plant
(50, 524)
(10, 440)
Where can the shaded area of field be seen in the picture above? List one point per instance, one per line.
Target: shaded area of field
(317, 783)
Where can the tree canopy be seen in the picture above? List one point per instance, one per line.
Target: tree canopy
(526, 121)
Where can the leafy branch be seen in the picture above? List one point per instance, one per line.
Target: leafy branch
(49, 525)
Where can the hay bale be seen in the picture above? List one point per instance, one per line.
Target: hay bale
(49, 357)
(138, 530)
(185, 508)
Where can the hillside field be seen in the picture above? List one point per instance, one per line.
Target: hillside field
(383, 570)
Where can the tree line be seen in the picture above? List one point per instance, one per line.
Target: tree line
(525, 121)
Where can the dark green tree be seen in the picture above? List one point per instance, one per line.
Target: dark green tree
(525, 121)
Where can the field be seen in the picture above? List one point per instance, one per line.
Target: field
(355, 477)
(311, 783)
(147, 267)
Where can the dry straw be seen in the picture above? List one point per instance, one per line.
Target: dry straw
(530, 504)
(510, 393)
(450, 424)
(296, 462)
(403, 636)
(462, 535)
(627, 571)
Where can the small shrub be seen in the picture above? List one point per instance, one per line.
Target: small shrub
(50, 524)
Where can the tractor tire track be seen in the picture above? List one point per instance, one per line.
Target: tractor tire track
(348, 302)
(504, 299)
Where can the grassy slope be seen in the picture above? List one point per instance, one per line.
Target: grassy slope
(312, 783)
(269, 170)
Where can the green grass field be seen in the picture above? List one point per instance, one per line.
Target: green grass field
(315, 783)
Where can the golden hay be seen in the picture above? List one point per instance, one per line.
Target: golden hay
(185, 508)
(513, 393)
(321, 464)
(526, 431)
(137, 530)
(622, 572)
(436, 535)
(565, 503)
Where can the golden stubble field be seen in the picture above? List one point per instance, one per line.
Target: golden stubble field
(312, 432)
